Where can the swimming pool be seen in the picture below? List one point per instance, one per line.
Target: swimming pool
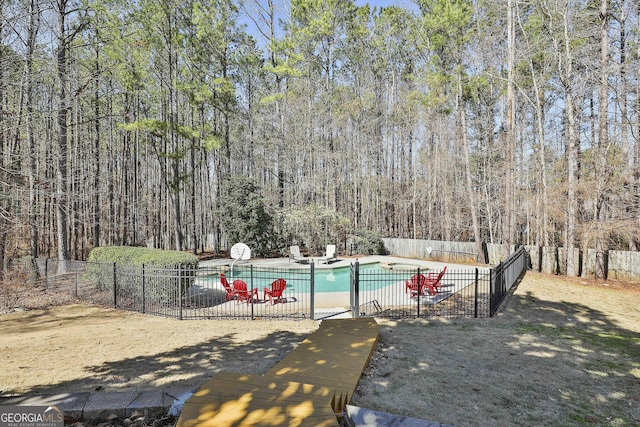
(325, 279)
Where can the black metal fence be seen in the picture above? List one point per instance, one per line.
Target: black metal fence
(186, 293)
(461, 293)
(507, 274)
(198, 293)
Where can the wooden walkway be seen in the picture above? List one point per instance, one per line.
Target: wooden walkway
(301, 390)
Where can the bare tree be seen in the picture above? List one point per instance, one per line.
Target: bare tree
(66, 32)
(602, 172)
(33, 12)
(508, 223)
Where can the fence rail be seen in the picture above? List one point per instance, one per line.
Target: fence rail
(198, 293)
(506, 275)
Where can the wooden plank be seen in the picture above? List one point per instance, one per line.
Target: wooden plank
(232, 415)
(298, 390)
(226, 383)
(257, 401)
(341, 348)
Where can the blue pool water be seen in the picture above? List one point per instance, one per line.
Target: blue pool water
(334, 280)
(326, 280)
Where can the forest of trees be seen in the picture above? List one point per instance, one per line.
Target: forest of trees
(189, 124)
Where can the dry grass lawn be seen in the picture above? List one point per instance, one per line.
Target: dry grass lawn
(561, 352)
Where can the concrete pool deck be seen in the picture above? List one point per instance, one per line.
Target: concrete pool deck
(342, 261)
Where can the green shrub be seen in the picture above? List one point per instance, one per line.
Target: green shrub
(368, 242)
(244, 216)
(129, 263)
(315, 227)
(130, 255)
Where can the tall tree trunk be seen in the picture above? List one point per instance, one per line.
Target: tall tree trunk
(544, 231)
(572, 144)
(3, 137)
(62, 199)
(96, 152)
(467, 167)
(634, 146)
(34, 20)
(538, 103)
(509, 220)
(624, 87)
(603, 141)
(173, 180)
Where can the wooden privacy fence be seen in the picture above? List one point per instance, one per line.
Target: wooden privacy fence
(434, 249)
(545, 259)
(617, 264)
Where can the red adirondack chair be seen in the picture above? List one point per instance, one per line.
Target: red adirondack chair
(275, 293)
(243, 292)
(420, 283)
(432, 282)
(415, 284)
(231, 294)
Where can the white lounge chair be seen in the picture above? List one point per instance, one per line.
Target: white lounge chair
(329, 255)
(296, 256)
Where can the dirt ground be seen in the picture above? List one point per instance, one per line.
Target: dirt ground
(561, 352)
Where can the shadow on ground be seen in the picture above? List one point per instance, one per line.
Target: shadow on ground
(543, 361)
(189, 365)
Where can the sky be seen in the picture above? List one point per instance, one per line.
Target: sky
(251, 27)
(383, 3)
